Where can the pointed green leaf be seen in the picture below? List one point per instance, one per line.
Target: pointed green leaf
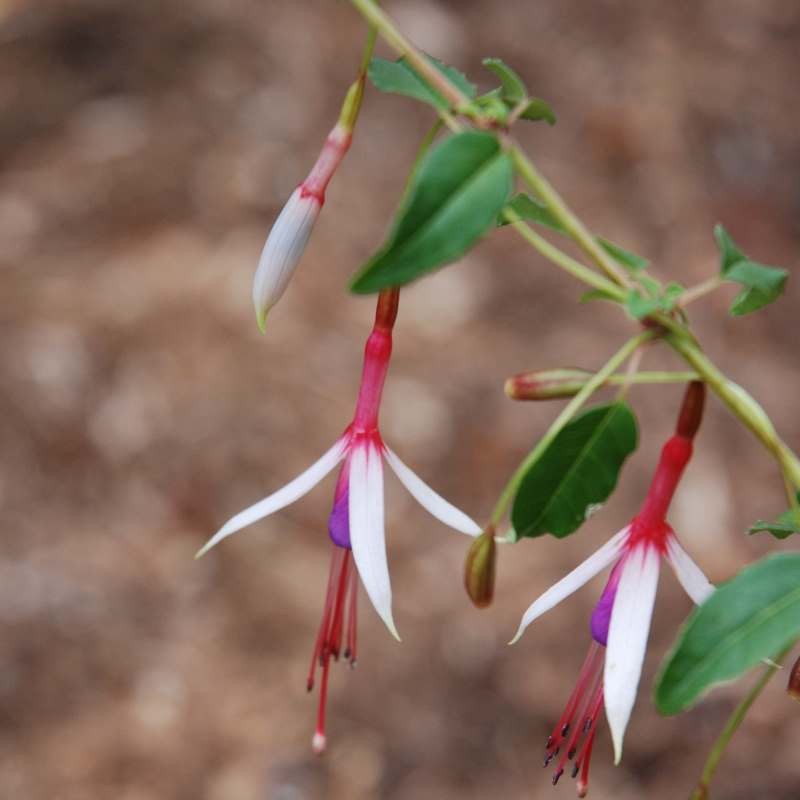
(787, 524)
(751, 617)
(492, 106)
(629, 260)
(671, 295)
(597, 294)
(454, 198)
(639, 306)
(762, 285)
(538, 109)
(532, 210)
(730, 254)
(399, 77)
(513, 87)
(576, 473)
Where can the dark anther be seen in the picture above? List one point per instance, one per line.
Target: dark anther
(576, 769)
(549, 743)
(556, 775)
(571, 753)
(565, 729)
(587, 725)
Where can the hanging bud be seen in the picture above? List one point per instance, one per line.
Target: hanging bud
(290, 232)
(691, 410)
(793, 687)
(479, 569)
(546, 384)
(282, 251)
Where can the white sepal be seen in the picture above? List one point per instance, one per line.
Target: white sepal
(283, 250)
(627, 638)
(293, 490)
(690, 576)
(584, 572)
(432, 502)
(367, 529)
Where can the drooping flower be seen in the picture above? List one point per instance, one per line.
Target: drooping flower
(356, 522)
(620, 623)
(291, 230)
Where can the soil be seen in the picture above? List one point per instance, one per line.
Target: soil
(145, 149)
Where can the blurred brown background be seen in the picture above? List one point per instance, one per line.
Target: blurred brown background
(144, 150)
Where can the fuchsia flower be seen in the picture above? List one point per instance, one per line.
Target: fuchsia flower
(290, 233)
(356, 523)
(620, 623)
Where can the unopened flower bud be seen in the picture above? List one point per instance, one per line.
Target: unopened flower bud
(479, 569)
(793, 687)
(691, 410)
(287, 239)
(282, 251)
(546, 384)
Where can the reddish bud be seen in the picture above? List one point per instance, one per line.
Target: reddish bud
(479, 569)
(793, 687)
(691, 410)
(546, 384)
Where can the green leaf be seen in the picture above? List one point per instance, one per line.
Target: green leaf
(787, 524)
(762, 285)
(399, 77)
(576, 473)
(512, 87)
(650, 284)
(751, 617)
(597, 294)
(670, 295)
(538, 109)
(639, 306)
(454, 198)
(729, 252)
(532, 210)
(629, 260)
(492, 106)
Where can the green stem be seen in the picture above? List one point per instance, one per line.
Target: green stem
(696, 292)
(630, 374)
(369, 49)
(616, 281)
(701, 792)
(741, 404)
(560, 258)
(574, 405)
(653, 377)
(571, 224)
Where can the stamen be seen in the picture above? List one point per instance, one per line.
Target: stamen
(576, 728)
(586, 679)
(338, 622)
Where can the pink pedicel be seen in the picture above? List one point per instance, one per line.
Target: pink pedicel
(333, 151)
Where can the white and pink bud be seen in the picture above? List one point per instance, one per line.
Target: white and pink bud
(282, 252)
(290, 233)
